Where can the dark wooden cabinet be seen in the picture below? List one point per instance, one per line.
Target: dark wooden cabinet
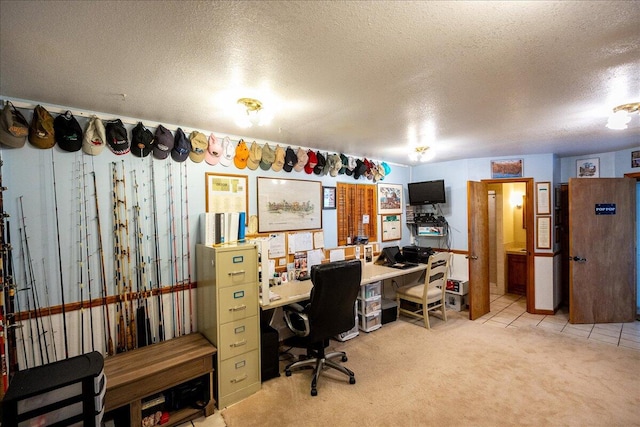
(517, 274)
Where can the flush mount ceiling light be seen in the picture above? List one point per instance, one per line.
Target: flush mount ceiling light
(421, 154)
(251, 112)
(622, 115)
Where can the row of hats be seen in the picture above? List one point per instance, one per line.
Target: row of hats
(278, 158)
(44, 132)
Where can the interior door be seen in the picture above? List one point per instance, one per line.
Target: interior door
(602, 283)
(478, 223)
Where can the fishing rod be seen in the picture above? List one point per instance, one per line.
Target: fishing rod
(131, 328)
(26, 280)
(10, 302)
(103, 275)
(121, 344)
(80, 262)
(143, 325)
(32, 285)
(184, 326)
(175, 304)
(64, 316)
(3, 297)
(158, 268)
(186, 201)
(48, 302)
(87, 255)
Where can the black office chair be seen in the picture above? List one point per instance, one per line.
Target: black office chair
(330, 311)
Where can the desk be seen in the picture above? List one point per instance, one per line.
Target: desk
(296, 291)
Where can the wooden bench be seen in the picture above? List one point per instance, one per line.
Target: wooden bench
(143, 372)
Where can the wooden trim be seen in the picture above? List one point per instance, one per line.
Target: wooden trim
(635, 175)
(97, 302)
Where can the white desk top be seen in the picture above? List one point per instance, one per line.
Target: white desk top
(296, 291)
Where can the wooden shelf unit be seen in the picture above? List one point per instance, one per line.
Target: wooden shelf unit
(143, 372)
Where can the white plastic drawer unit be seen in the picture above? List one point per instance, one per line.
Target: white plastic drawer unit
(237, 267)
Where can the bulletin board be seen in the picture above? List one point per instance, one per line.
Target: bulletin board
(391, 228)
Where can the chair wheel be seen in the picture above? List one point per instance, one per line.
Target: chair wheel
(352, 380)
(314, 392)
(344, 358)
(287, 373)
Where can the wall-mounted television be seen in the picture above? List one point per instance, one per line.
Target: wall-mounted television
(427, 192)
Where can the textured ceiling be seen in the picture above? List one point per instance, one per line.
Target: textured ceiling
(469, 79)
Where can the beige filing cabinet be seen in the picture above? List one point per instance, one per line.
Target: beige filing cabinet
(228, 316)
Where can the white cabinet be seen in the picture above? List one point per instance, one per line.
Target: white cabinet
(228, 316)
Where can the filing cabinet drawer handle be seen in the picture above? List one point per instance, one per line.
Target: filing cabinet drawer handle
(238, 344)
(236, 273)
(237, 380)
(238, 307)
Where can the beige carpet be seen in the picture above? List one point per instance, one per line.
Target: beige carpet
(460, 373)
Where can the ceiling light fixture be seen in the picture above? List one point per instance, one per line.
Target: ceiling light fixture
(621, 115)
(421, 154)
(251, 112)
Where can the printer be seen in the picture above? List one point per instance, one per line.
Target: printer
(418, 254)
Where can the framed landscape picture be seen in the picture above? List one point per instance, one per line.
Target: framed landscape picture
(389, 199)
(512, 168)
(289, 204)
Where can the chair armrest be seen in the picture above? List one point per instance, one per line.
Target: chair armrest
(296, 320)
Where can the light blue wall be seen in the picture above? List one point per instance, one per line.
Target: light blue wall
(457, 173)
(28, 173)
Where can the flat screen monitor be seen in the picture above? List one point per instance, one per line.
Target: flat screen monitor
(427, 192)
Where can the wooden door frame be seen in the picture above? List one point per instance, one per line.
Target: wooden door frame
(529, 220)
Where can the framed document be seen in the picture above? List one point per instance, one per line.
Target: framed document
(391, 229)
(543, 232)
(226, 193)
(543, 198)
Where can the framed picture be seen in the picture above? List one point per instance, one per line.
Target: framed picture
(368, 254)
(391, 228)
(289, 204)
(226, 193)
(588, 168)
(543, 230)
(328, 197)
(635, 159)
(389, 199)
(543, 198)
(507, 168)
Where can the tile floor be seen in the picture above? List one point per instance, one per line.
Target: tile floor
(509, 311)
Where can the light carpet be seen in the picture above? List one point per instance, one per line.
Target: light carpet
(459, 373)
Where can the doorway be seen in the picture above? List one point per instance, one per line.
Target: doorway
(507, 239)
(479, 241)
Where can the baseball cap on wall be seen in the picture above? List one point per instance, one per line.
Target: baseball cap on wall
(198, 146)
(214, 150)
(242, 155)
(268, 157)
(351, 165)
(336, 165)
(164, 143)
(290, 160)
(94, 139)
(141, 140)
(345, 162)
(181, 146)
(14, 128)
(67, 131)
(311, 162)
(278, 163)
(360, 169)
(41, 132)
(303, 158)
(255, 156)
(228, 151)
(117, 137)
(319, 168)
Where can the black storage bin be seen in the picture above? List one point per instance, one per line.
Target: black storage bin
(269, 346)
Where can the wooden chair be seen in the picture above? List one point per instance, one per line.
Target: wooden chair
(430, 295)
